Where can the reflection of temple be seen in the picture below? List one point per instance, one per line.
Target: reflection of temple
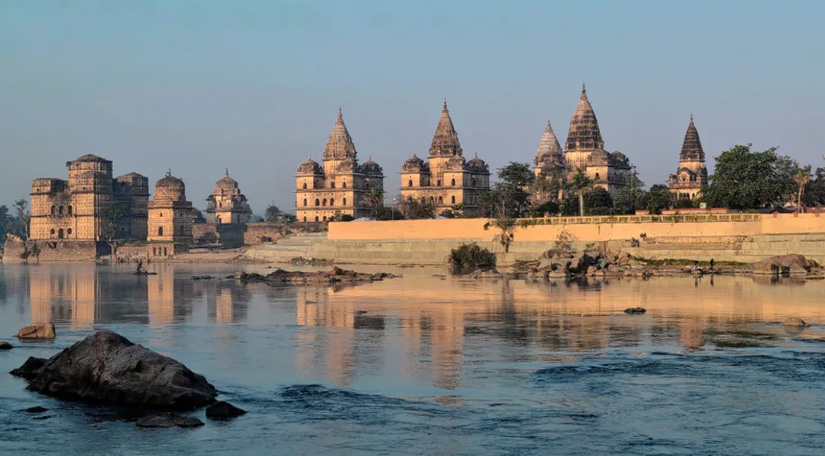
(64, 294)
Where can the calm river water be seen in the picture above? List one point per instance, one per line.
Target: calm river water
(424, 365)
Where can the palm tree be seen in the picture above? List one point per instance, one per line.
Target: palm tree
(803, 175)
(580, 183)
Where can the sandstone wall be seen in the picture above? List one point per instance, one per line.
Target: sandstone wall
(54, 250)
(261, 232)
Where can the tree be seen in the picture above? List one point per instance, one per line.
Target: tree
(580, 183)
(5, 221)
(814, 194)
(272, 214)
(412, 209)
(374, 201)
(597, 201)
(197, 216)
(112, 220)
(803, 175)
(510, 197)
(658, 199)
(21, 221)
(629, 198)
(751, 180)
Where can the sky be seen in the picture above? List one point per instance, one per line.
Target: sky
(254, 86)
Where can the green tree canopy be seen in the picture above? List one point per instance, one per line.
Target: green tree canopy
(751, 180)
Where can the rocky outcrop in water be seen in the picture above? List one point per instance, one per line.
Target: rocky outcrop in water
(37, 331)
(108, 368)
(336, 275)
(785, 264)
(5, 345)
(168, 420)
(223, 410)
(635, 310)
(794, 322)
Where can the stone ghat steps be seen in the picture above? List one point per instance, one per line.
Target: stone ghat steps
(285, 249)
(393, 252)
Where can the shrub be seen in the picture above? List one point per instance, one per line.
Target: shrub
(471, 257)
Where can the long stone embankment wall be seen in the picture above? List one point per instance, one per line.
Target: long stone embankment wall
(723, 237)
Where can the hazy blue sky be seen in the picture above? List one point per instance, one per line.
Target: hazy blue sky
(198, 86)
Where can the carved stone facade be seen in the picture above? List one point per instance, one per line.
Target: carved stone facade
(585, 150)
(227, 204)
(692, 174)
(170, 217)
(341, 186)
(447, 179)
(72, 209)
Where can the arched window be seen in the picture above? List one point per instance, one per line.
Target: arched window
(317, 203)
(160, 231)
(438, 183)
(452, 182)
(60, 210)
(305, 185)
(332, 184)
(305, 201)
(344, 184)
(305, 218)
(161, 214)
(165, 253)
(70, 210)
(51, 233)
(432, 199)
(316, 218)
(597, 175)
(423, 200)
(54, 209)
(440, 200)
(324, 202)
(325, 218)
(332, 201)
(473, 181)
(409, 183)
(345, 202)
(452, 199)
(60, 233)
(68, 233)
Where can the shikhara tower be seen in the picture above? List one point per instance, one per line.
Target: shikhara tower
(692, 174)
(447, 180)
(341, 185)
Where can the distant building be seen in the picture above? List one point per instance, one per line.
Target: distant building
(585, 150)
(170, 218)
(692, 174)
(227, 204)
(341, 185)
(447, 179)
(73, 209)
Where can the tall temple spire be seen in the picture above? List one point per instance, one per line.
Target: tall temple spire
(340, 145)
(445, 140)
(692, 145)
(549, 145)
(584, 133)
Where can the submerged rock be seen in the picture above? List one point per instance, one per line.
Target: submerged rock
(168, 420)
(794, 322)
(37, 331)
(223, 410)
(107, 368)
(635, 310)
(35, 409)
(336, 275)
(5, 345)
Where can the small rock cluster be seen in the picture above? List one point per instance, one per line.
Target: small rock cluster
(794, 265)
(558, 264)
(336, 275)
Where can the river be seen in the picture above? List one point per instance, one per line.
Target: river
(437, 365)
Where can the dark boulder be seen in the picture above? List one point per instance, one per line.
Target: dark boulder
(223, 410)
(635, 310)
(795, 322)
(107, 368)
(35, 409)
(5, 345)
(168, 420)
(37, 331)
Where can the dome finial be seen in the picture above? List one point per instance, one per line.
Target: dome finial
(584, 89)
(691, 117)
(169, 172)
(227, 172)
(445, 103)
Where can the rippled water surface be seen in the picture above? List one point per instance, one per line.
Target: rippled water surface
(425, 365)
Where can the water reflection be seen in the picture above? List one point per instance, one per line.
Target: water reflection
(423, 328)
